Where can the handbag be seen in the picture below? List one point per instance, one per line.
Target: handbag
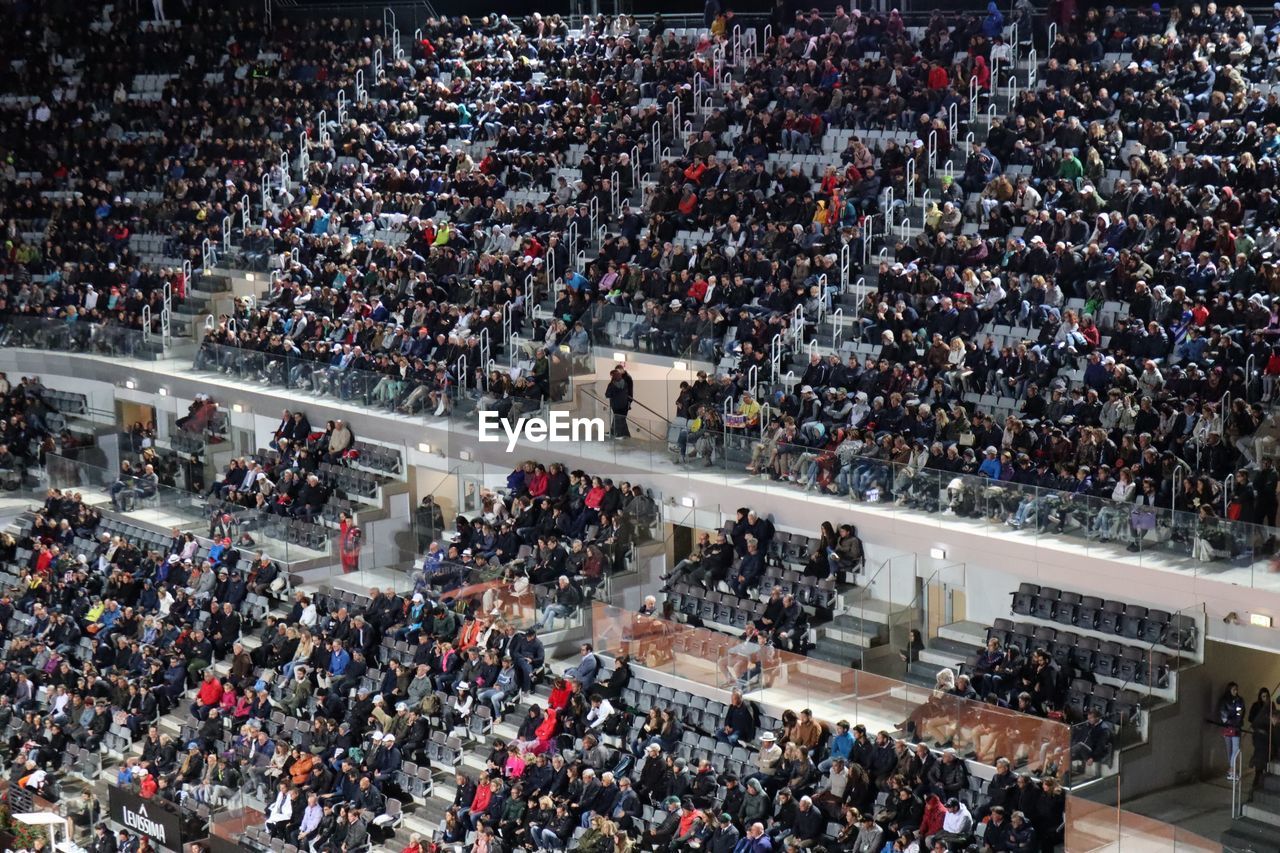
(966, 439)
(1143, 519)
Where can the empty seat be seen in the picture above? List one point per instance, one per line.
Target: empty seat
(1107, 659)
(1109, 618)
(1155, 626)
(1090, 608)
(1024, 598)
(1131, 622)
(1068, 608)
(1045, 603)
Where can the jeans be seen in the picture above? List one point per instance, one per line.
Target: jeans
(1233, 751)
(546, 838)
(550, 613)
(494, 697)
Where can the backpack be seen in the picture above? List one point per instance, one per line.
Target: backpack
(619, 724)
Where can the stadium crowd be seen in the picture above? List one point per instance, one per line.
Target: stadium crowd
(443, 191)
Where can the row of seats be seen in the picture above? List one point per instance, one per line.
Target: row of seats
(350, 480)
(1118, 706)
(1130, 664)
(1131, 621)
(385, 459)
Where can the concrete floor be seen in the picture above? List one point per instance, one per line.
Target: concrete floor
(1203, 808)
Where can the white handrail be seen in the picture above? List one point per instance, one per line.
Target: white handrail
(953, 121)
(837, 328)
(461, 367)
(226, 234)
(146, 324)
(973, 98)
(615, 193)
(506, 321)
(775, 360)
(868, 230)
(846, 265)
(388, 21)
(245, 206)
(304, 155)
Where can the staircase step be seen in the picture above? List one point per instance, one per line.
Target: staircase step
(852, 631)
(972, 634)
(1262, 815)
(1266, 800)
(871, 610)
(947, 652)
(1251, 836)
(836, 651)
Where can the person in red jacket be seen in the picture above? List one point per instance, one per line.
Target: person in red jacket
(698, 290)
(537, 482)
(208, 696)
(147, 785)
(937, 79)
(695, 171)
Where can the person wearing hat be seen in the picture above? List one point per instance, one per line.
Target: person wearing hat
(949, 776)
(723, 835)
(957, 826)
(768, 761)
(659, 837)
